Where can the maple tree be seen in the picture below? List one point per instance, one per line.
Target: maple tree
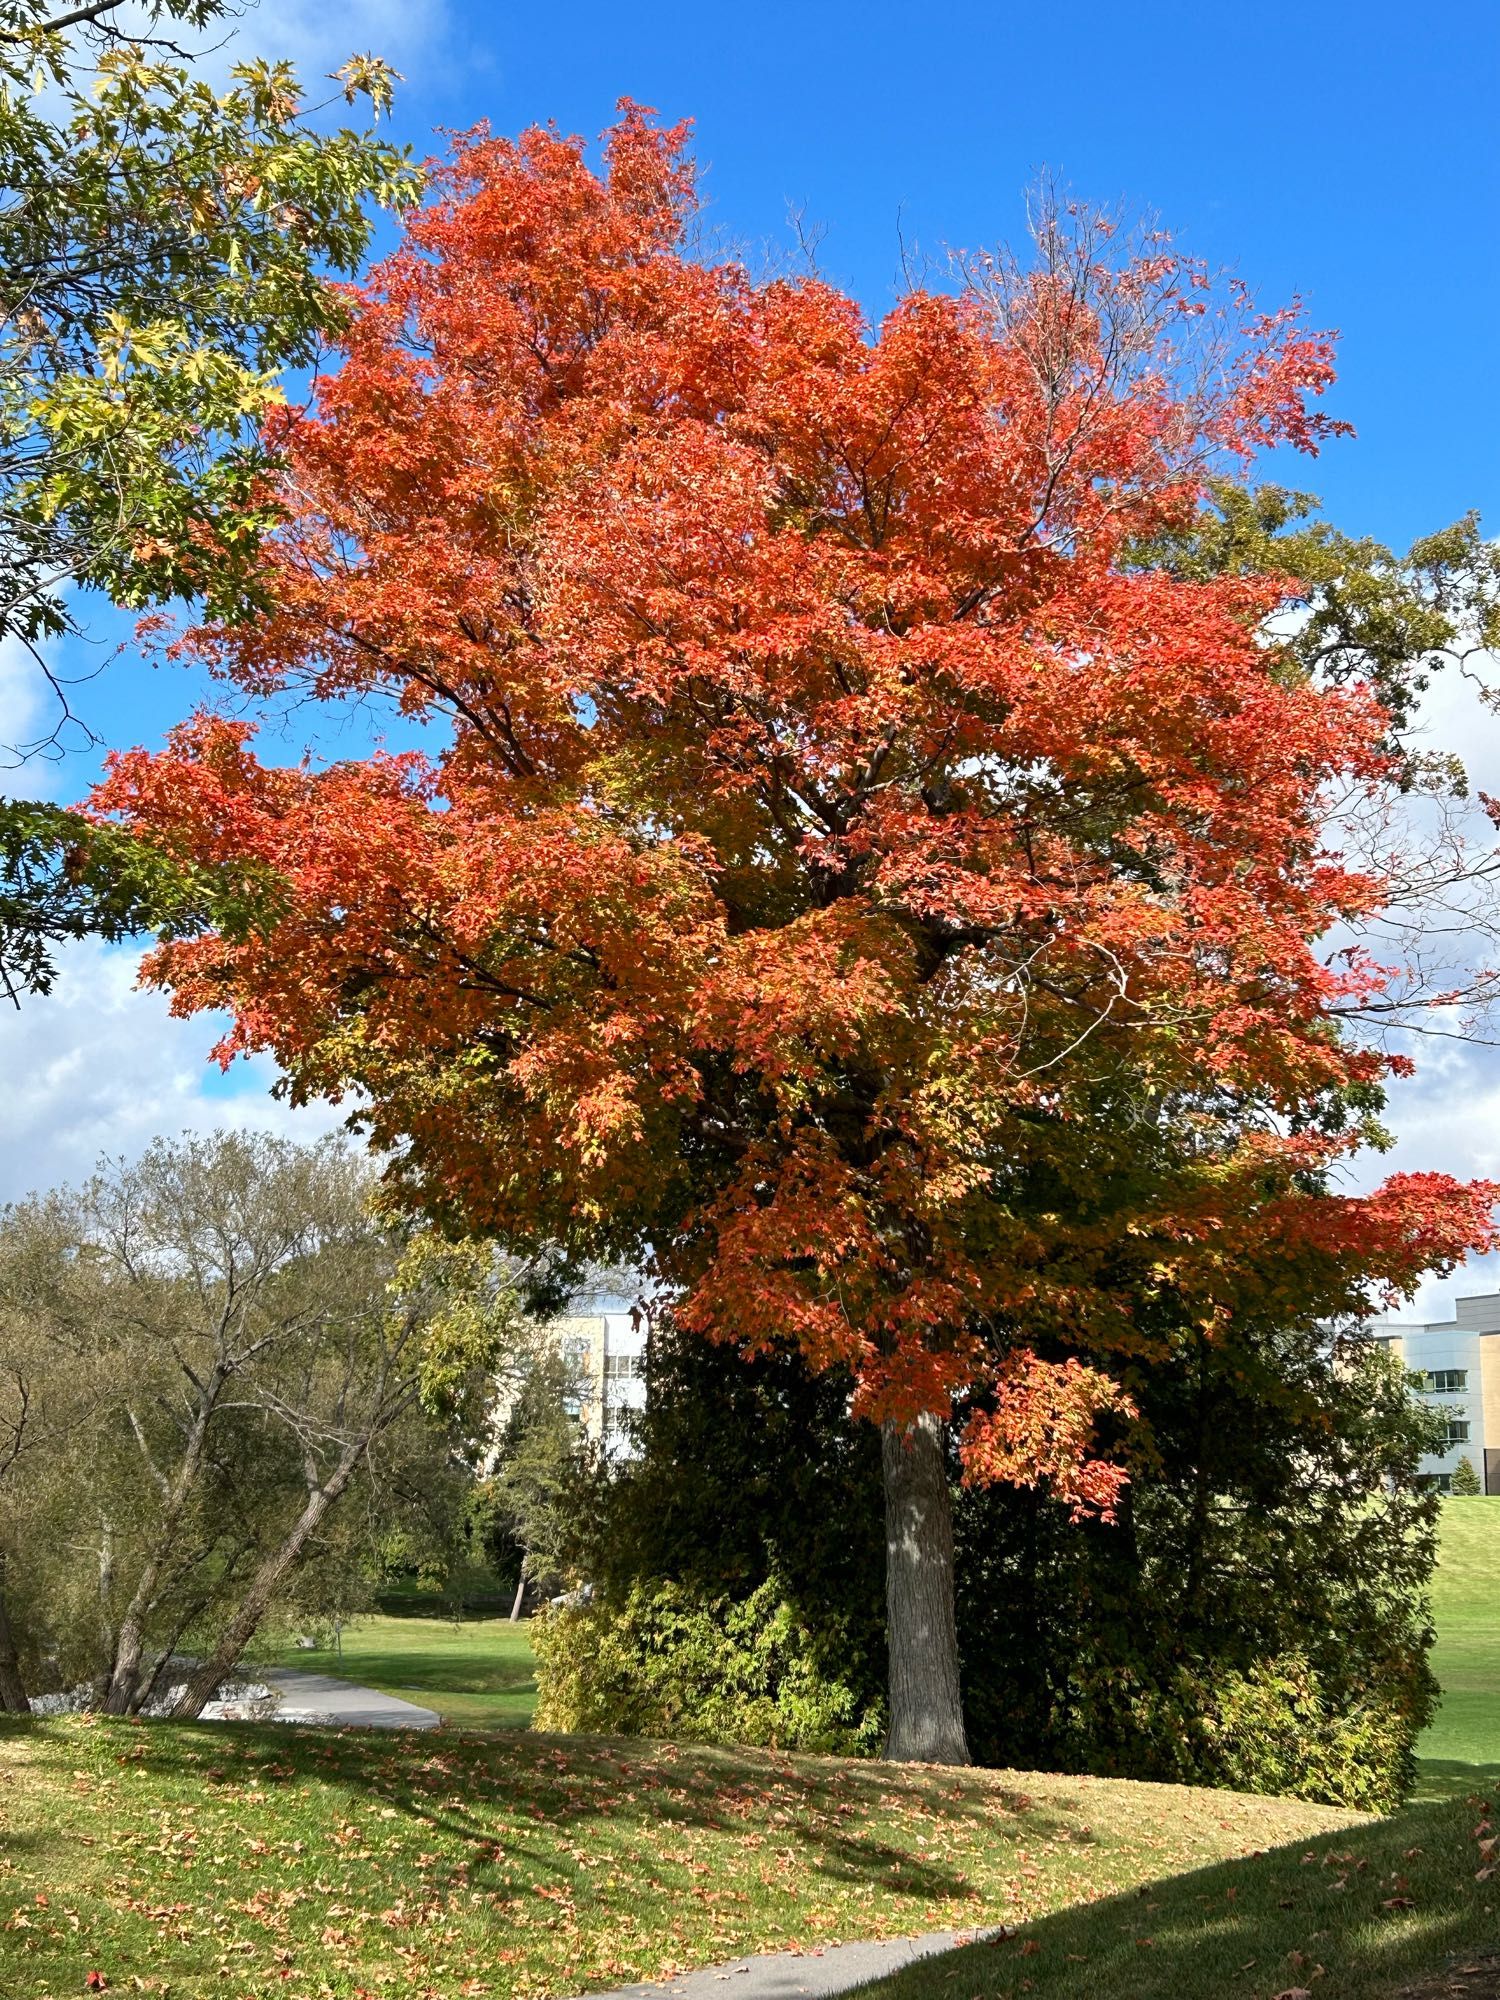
(840, 828)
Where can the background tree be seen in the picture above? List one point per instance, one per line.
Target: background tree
(526, 1500)
(165, 251)
(1465, 1480)
(224, 1341)
(848, 830)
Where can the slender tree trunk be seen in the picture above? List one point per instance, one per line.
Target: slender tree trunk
(520, 1599)
(262, 1588)
(12, 1688)
(927, 1717)
(125, 1674)
(147, 1684)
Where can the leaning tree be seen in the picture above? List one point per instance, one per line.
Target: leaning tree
(840, 788)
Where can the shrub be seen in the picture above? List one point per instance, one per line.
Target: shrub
(1281, 1729)
(665, 1662)
(1278, 1726)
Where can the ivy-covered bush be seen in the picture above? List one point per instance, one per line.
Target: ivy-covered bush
(1277, 1727)
(665, 1662)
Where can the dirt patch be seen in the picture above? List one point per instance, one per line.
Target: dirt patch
(1468, 1979)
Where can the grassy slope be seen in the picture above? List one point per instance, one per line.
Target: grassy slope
(477, 1673)
(1252, 1929)
(221, 1861)
(241, 1862)
(1466, 1606)
(1350, 1919)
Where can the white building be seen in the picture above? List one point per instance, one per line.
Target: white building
(608, 1354)
(1457, 1362)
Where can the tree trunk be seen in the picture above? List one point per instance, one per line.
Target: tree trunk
(124, 1683)
(12, 1688)
(262, 1588)
(927, 1717)
(515, 1609)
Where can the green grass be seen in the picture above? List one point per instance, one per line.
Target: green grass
(238, 1862)
(1355, 1918)
(243, 1862)
(1391, 1902)
(477, 1673)
(1461, 1750)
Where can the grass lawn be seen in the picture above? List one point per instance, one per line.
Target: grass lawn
(1348, 1919)
(1360, 1917)
(476, 1673)
(240, 1862)
(1462, 1748)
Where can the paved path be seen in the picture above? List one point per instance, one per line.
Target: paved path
(340, 1704)
(786, 1975)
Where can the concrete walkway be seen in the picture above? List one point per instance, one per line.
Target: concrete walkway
(787, 1975)
(336, 1704)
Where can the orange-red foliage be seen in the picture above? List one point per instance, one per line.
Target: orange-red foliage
(836, 830)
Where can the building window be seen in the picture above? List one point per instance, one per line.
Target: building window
(1458, 1430)
(624, 1367)
(1439, 1482)
(1446, 1381)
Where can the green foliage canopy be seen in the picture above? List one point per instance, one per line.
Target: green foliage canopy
(166, 255)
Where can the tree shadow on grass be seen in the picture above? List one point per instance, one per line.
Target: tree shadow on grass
(600, 1791)
(535, 1802)
(700, 1853)
(1361, 1915)
(1446, 1778)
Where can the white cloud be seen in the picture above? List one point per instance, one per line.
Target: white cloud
(410, 34)
(317, 37)
(99, 1067)
(1446, 1118)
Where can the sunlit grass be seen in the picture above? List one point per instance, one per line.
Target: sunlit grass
(477, 1673)
(1466, 1659)
(242, 1862)
(1353, 1918)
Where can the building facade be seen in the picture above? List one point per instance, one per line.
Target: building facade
(606, 1353)
(1457, 1362)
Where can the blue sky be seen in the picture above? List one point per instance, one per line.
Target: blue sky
(1342, 151)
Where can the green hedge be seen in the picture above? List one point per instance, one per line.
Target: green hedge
(664, 1662)
(1277, 1726)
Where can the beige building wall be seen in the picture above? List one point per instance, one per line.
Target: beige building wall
(607, 1353)
(1489, 1404)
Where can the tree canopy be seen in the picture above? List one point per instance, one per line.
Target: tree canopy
(205, 1357)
